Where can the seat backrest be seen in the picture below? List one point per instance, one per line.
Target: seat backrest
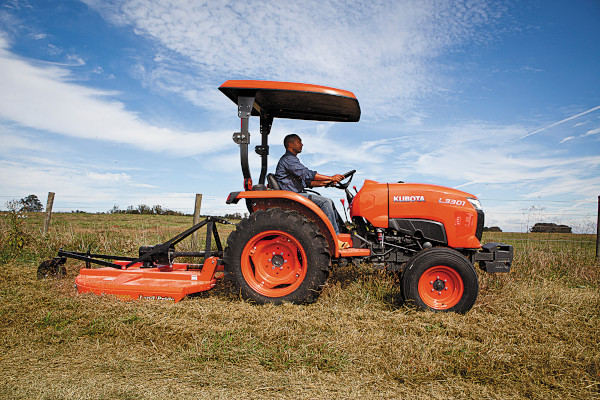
(273, 184)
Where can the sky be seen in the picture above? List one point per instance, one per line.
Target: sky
(116, 102)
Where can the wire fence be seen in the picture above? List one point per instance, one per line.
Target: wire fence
(582, 246)
(583, 219)
(183, 203)
(517, 215)
(528, 213)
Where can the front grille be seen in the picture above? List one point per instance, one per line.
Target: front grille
(480, 223)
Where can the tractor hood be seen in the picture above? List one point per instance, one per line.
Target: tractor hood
(386, 204)
(295, 100)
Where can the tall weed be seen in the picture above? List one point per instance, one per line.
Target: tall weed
(14, 235)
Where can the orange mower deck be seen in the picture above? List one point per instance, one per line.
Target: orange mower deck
(169, 282)
(151, 275)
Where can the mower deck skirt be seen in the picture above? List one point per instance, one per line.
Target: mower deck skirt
(169, 282)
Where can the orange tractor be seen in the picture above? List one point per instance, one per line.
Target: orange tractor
(430, 235)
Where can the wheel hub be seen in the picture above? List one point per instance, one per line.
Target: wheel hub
(277, 260)
(439, 285)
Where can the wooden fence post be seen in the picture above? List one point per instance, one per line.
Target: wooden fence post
(196, 220)
(598, 232)
(48, 218)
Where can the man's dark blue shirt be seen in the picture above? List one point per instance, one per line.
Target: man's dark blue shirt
(291, 174)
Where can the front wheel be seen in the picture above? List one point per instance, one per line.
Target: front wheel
(440, 279)
(277, 255)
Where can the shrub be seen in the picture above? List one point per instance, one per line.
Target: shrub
(542, 227)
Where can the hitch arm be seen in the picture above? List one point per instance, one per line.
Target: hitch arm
(164, 247)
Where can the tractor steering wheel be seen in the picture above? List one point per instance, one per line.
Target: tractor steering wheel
(340, 185)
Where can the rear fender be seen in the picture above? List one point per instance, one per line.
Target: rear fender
(262, 200)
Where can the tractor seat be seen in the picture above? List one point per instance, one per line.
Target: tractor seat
(273, 184)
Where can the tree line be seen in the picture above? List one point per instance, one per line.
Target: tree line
(144, 209)
(540, 227)
(158, 210)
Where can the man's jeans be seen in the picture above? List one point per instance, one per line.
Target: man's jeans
(325, 204)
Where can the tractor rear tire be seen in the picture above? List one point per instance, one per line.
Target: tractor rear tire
(276, 256)
(440, 279)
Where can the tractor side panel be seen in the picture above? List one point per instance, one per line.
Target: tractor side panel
(437, 203)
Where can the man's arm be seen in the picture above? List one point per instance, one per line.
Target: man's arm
(322, 180)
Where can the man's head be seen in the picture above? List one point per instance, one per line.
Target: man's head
(293, 143)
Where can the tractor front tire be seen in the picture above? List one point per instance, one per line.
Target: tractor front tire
(440, 279)
(276, 256)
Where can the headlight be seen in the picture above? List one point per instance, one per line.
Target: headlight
(475, 203)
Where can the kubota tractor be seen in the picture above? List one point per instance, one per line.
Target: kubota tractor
(430, 235)
(284, 249)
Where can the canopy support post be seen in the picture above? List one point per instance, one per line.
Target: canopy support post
(245, 104)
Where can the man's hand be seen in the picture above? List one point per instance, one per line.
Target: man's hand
(337, 178)
(324, 180)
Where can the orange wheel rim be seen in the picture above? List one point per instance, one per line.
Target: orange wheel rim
(441, 287)
(273, 263)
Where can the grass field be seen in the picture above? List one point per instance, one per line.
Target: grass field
(533, 334)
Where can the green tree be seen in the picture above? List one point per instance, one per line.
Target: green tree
(31, 203)
(144, 209)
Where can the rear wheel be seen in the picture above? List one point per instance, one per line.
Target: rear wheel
(440, 279)
(277, 255)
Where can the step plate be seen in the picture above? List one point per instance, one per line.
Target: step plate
(353, 252)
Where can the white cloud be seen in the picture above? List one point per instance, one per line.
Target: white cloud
(44, 98)
(108, 178)
(388, 53)
(13, 142)
(591, 132)
(567, 139)
(475, 156)
(19, 179)
(561, 121)
(576, 183)
(77, 187)
(38, 36)
(325, 42)
(74, 60)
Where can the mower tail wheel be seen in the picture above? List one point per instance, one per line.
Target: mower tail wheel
(440, 279)
(277, 255)
(52, 268)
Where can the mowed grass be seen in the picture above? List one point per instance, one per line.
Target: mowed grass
(533, 334)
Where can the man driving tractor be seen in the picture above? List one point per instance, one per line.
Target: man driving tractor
(292, 175)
